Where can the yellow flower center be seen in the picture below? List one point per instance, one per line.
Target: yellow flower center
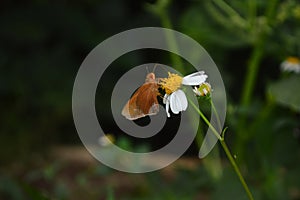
(293, 60)
(172, 83)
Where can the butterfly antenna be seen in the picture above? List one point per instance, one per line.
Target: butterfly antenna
(154, 68)
(165, 70)
(157, 65)
(147, 68)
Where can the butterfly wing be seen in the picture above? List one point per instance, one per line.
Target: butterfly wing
(131, 111)
(147, 99)
(142, 103)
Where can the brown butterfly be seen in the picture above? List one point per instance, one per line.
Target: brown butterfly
(144, 101)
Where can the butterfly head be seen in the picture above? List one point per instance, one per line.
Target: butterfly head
(150, 78)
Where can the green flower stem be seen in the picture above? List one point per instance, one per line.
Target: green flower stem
(160, 9)
(252, 13)
(171, 41)
(218, 16)
(206, 120)
(236, 169)
(233, 14)
(250, 80)
(226, 149)
(216, 113)
(251, 76)
(252, 70)
(256, 57)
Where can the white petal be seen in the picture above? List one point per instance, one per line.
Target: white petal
(194, 79)
(167, 101)
(178, 101)
(165, 98)
(196, 91)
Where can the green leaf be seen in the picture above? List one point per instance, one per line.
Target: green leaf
(286, 92)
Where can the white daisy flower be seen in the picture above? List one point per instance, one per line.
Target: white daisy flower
(291, 64)
(174, 97)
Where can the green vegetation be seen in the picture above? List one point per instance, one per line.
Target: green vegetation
(42, 44)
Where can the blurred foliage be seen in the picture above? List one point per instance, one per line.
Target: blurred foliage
(42, 44)
(284, 92)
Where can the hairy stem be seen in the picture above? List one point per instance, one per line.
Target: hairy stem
(227, 151)
(236, 169)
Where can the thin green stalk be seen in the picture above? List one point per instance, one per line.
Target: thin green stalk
(212, 162)
(227, 151)
(110, 193)
(234, 15)
(252, 12)
(216, 113)
(206, 120)
(227, 8)
(236, 169)
(251, 74)
(171, 41)
(160, 9)
(256, 57)
(217, 15)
